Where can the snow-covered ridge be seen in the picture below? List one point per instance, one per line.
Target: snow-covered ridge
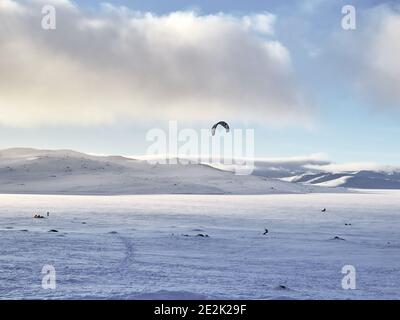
(34, 171)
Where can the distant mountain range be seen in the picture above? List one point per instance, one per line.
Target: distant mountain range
(307, 173)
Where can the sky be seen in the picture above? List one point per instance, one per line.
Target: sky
(111, 71)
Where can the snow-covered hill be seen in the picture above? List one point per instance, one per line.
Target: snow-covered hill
(24, 170)
(69, 172)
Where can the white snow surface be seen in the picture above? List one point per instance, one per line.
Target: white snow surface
(334, 183)
(146, 246)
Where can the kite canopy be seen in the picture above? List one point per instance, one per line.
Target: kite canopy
(221, 123)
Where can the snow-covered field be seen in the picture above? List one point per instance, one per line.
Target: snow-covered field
(147, 246)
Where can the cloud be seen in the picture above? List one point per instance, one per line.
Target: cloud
(370, 56)
(351, 167)
(381, 77)
(262, 23)
(102, 66)
(316, 158)
(10, 6)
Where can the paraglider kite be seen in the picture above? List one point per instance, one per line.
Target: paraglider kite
(221, 123)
